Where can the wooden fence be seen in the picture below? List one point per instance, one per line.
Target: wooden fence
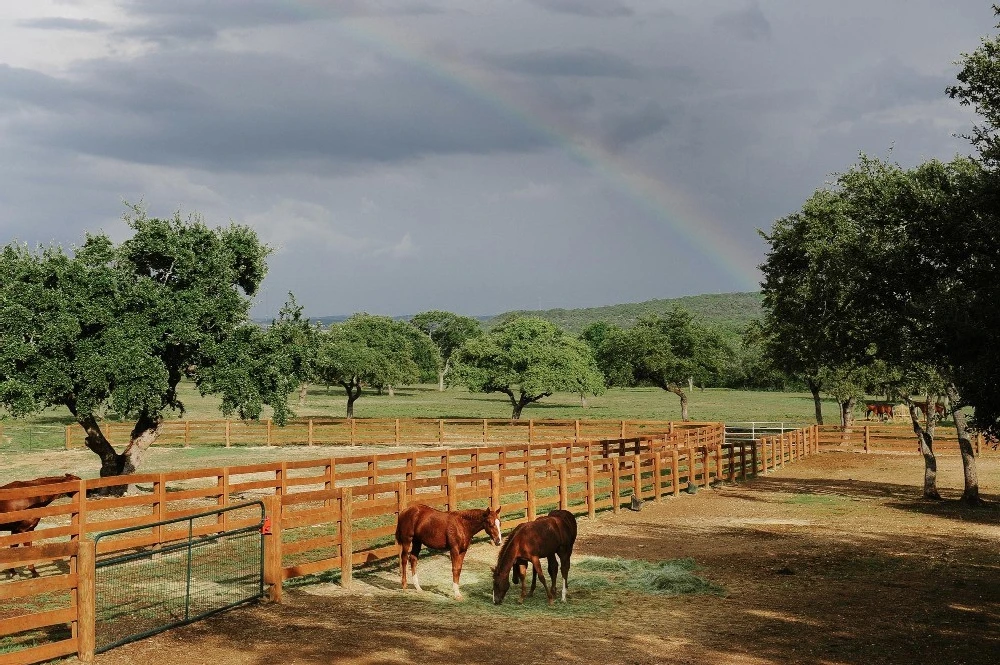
(891, 438)
(378, 431)
(337, 513)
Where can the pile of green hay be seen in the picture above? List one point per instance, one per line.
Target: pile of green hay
(670, 578)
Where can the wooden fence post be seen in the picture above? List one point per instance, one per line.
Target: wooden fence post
(563, 486)
(576, 431)
(657, 475)
(269, 431)
(451, 489)
(187, 433)
(309, 433)
(495, 490)
(485, 431)
(86, 600)
(591, 490)
(615, 485)
(531, 430)
(400, 497)
(397, 431)
(637, 476)
(440, 431)
(69, 438)
(530, 475)
(867, 438)
(718, 464)
(273, 574)
(675, 467)
(692, 467)
(346, 538)
(732, 463)
(228, 437)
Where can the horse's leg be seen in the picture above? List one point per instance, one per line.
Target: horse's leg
(554, 573)
(404, 554)
(537, 565)
(522, 569)
(564, 560)
(414, 553)
(534, 579)
(457, 557)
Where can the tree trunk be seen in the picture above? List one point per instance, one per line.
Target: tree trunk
(303, 391)
(677, 390)
(583, 400)
(925, 440)
(353, 393)
(971, 493)
(516, 412)
(690, 385)
(814, 388)
(441, 380)
(111, 461)
(128, 461)
(392, 393)
(847, 412)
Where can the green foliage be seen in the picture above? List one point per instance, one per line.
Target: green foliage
(115, 328)
(368, 350)
(448, 331)
(527, 359)
(729, 313)
(663, 352)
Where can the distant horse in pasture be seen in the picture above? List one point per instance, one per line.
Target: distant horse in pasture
(549, 536)
(27, 503)
(421, 525)
(881, 410)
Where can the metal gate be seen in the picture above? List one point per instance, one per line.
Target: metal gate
(141, 593)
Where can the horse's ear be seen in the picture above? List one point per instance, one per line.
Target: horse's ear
(493, 569)
(499, 508)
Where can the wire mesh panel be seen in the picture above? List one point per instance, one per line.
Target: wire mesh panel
(145, 592)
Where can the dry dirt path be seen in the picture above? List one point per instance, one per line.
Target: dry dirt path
(834, 559)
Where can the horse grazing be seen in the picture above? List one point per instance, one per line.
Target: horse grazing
(421, 525)
(549, 536)
(27, 503)
(881, 410)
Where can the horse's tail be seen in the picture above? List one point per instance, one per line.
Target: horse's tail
(399, 526)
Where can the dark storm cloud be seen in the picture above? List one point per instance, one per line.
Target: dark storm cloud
(883, 85)
(623, 129)
(61, 23)
(241, 112)
(749, 23)
(595, 8)
(586, 62)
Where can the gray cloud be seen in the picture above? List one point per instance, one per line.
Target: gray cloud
(594, 8)
(217, 110)
(61, 23)
(749, 23)
(623, 129)
(588, 62)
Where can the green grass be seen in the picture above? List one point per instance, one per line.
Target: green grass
(45, 431)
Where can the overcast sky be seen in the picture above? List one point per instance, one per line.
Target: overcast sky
(474, 156)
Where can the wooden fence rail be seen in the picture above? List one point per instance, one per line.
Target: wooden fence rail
(338, 513)
(381, 431)
(891, 438)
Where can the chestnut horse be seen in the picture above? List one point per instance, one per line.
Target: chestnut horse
(421, 525)
(549, 536)
(26, 503)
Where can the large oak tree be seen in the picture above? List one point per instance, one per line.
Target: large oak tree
(112, 329)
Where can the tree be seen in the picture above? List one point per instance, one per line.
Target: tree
(526, 359)
(298, 338)
(448, 332)
(811, 311)
(663, 352)
(366, 350)
(113, 329)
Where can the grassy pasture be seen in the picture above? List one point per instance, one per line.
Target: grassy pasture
(45, 431)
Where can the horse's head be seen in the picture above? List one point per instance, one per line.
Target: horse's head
(491, 521)
(501, 583)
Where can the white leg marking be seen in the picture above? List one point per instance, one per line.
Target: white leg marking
(564, 590)
(458, 594)
(499, 533)
(416, 582)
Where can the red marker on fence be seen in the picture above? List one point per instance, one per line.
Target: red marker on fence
(265, 530)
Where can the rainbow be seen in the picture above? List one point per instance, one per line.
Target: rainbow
(666, 203)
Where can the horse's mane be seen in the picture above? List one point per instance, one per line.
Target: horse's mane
(507, 544)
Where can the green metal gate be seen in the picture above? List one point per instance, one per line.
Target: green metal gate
(141, 593)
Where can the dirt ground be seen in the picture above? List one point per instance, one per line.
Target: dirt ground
(835, 559)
